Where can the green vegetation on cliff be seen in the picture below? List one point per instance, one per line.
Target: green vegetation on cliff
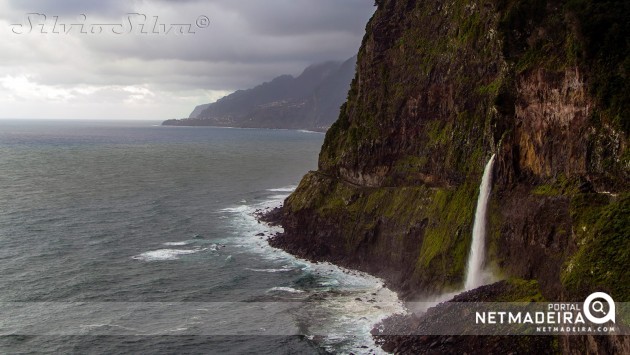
(423, 92)
(397, 224)
(603, 236)
(400, 168)
(440, 87)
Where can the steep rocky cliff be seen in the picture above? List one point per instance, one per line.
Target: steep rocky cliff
(441, 86)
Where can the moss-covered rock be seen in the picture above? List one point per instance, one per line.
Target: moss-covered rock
(603, 236)
(396, 232)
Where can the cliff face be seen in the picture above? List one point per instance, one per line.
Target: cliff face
(441, 86)
(309, 101)
(399, 171)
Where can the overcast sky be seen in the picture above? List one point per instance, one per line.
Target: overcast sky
(120, 75)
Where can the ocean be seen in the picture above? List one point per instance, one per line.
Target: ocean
(127, 237)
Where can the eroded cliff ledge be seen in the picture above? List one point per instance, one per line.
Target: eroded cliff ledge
(441, 86)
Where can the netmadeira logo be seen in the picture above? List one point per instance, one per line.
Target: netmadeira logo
(597, 315)
(597, 307)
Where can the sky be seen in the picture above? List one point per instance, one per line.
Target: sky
(90, 59)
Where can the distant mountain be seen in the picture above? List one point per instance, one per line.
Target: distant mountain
(198, 110)
(309, 101)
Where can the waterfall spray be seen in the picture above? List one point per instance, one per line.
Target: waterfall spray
(474, 277)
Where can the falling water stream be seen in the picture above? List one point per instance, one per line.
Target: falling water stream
(474, 275)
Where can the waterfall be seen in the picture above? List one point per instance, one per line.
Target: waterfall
(474, 277)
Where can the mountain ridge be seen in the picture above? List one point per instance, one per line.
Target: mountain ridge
(309, 101)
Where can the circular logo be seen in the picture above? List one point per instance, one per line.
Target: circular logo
(202, 21)
(594, 309)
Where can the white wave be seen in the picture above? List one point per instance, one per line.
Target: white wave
(179, 330)
(177, 244)
(239, 209)
(164, 254)
(284, 189)
(307, 131)
(286, 289)
(270, 270)
(330, 283)
(339, 313)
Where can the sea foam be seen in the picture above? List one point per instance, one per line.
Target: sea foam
(164, 254)
(337, 314)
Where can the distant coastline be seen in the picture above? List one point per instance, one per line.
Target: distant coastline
(310, 101)
(187, 122)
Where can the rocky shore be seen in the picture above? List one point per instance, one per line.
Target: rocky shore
(413, 332)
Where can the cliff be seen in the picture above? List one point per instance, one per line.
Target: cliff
(442, 85)
(309, 101)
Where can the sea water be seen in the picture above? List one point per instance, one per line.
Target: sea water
(129, 237)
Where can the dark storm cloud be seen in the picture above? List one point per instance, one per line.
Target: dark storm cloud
(274, 17)
(292, 17)
(247, 42)
(69, 7)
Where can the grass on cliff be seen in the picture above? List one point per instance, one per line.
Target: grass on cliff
(603, 233)
(561, 185)
(448, 235)
(445, 214)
